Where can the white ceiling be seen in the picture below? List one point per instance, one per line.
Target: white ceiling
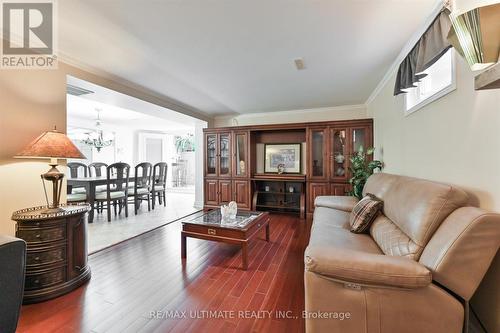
(81, 113)
(236, 56)
(119, 110)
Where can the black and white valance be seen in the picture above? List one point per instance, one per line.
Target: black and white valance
(429, 48)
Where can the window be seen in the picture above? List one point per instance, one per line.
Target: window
(440, 80)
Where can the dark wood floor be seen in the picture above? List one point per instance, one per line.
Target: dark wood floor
(146, 275)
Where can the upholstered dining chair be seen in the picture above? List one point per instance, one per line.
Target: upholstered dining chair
(141, 188)
(77, 169)
(117, 177)
(76, 197)
(98, 169)
(159, 183)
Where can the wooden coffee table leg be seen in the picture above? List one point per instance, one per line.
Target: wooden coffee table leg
(244, 254)
(183, 246)
(267, 231)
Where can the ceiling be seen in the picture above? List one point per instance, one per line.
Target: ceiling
(82, 113)
(119, 110)
(237, 56)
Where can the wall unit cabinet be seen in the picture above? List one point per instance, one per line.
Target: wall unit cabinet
(241, 190)
(218, 155)
(233, 163)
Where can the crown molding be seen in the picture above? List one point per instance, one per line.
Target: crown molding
(167, 102)
(289, 112)
(405, 50)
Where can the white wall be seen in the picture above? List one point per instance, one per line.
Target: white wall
(455, 139)
(293, 116)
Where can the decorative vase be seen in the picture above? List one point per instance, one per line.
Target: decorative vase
(281, 168)
(339, 158)
(233, 209)
(224, 212)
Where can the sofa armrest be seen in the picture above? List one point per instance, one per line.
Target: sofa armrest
(344, 203)
(366, 268)
(12, 270)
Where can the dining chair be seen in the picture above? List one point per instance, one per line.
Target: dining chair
(159, 183)
(117, 177)
(142, 185)
(76, 170)
(96, 169)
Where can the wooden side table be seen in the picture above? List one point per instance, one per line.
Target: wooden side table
(56, 257)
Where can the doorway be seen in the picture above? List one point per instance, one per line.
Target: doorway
(110, 127)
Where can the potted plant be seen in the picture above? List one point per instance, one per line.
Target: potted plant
(361, 168)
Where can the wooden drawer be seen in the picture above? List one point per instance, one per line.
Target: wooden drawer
(42, 235)
(41, 224)
(45, 279)
(45, 257)
(210, 231)
(255, 227)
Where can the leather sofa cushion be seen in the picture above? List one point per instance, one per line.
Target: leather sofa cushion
(367, 268)
(331, 236)
(416, 206)
(344, 203)
(392, 240)
(331, 217)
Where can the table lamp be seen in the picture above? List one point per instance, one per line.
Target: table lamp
(52, 145)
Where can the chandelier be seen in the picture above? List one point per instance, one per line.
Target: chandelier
(96, 138)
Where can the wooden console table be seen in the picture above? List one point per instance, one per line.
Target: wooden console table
(56, 258)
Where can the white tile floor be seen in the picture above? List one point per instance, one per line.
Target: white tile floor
(102, 233)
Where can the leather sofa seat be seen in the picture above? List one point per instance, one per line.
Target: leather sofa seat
(332, 231)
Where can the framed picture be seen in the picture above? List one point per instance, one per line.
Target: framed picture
(282, 158)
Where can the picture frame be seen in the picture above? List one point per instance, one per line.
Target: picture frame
(287, 154)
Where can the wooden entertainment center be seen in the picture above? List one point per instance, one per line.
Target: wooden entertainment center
(235, 163)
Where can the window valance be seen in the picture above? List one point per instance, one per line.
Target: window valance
(429, 48)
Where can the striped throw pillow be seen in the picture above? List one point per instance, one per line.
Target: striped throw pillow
(363, 214)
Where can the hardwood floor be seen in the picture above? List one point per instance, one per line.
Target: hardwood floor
(137, 284)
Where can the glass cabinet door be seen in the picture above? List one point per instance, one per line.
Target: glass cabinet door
(359, 138)
(317, 154)
(224, 154)
(339, 157)
(211, 157)
(241, 154)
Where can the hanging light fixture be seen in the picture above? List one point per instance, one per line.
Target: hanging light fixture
(96, 138)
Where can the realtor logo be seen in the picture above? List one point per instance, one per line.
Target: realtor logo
(28, 34)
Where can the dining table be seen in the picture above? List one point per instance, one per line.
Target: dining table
(90, 184)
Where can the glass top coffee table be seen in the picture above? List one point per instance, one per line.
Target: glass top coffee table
(211, 226)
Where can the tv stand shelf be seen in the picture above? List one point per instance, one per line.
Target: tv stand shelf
(279, 193)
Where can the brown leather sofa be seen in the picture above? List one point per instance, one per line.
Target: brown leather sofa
(415, 271)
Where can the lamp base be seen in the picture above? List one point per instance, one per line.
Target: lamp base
(56, 177)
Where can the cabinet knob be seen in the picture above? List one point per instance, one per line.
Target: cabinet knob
(38, 236)
(37, 258)
(36, 281)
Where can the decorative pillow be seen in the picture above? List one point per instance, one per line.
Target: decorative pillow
(364, 213)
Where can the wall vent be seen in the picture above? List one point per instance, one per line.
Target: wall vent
(77, 91)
